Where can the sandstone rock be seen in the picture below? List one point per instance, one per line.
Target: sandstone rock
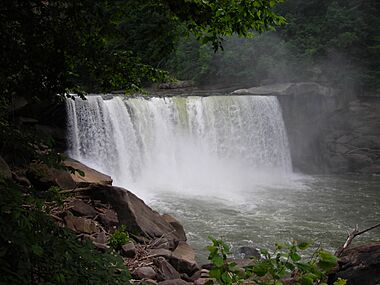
(43, 177)
(133, 212)
(5, 172)
(160, 252)
(164, 243)
(145, 272)
(108, 218)
(81, 208)
(183, 259)
(173, 282)
(81, 225)
(91, 175)
(165, 271)
(359, 265)
(176, 225)
(128, 250)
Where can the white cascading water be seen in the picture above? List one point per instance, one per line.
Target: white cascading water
(196, 145)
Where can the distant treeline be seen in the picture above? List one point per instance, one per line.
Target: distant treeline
(333, 42)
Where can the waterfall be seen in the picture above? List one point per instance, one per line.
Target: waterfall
(200, 144)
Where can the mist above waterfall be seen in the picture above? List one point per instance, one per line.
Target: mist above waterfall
(197, 145)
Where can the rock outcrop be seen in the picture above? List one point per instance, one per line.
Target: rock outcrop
(359, 265)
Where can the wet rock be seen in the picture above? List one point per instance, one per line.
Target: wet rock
(165, 271)
(145, 272)
(249, 251)
(176, 225)
(81, 208)
(174, 282)
(133, 212)
(128, 250)
(90, 175)
(183, 259)
(373, 169)
(359, 265)
(81, 225)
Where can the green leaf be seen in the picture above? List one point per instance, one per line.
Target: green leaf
(295, 256)
(226, 278)
(303, 245)
(261, 268)
(306, 280)
(217, 261)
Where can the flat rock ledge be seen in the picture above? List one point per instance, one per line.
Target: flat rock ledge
(285, 89)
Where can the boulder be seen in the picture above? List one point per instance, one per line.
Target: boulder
(160, 252)
(176, 225)
(249, 251)
(80, 208)
(91, 176)
(108, 218)
(183, 259)
(145, 272)
(359, 265)
(128, 250)
(165, 271)
(81, 225)
(133, 212)
(5, 172)
(44, 177)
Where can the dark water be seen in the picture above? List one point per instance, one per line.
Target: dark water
(320, 209)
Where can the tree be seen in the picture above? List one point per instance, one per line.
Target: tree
(50, 47)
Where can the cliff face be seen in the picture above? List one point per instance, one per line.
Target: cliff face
(329, 131)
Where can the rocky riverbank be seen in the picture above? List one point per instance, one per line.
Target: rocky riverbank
(157, 251)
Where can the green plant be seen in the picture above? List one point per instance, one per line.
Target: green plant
(119, 238)
(223, 271)
(34, 250)
(284, 261)
(287, 260)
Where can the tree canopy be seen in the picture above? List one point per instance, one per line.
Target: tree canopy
(50, 47)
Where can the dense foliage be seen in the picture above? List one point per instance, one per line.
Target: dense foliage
(50, 47)
(332, 42)
(285, 261)
(34, 250)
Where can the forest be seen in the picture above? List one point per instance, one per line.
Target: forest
(58, 50)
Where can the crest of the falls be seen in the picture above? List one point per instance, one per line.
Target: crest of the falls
(201, 145)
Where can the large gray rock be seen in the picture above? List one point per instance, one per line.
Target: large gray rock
(133, 212)
(183, 259)
(145, 272)
(5, 172)
(176, 225)
(359, 265)
(81, 208)
(165, 271)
